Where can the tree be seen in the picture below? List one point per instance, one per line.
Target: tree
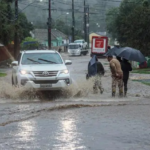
(6, 29)
(130, 26)
(29, 43)
(111, 22)
(24, 26)
(8, 23)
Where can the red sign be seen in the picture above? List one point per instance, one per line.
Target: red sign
(99, 43)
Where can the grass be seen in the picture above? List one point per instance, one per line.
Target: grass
(146, 83)
(142, 71)
(2, 74)
(106, 63)
(143, 82)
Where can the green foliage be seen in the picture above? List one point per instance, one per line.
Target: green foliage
(29, 43)
(141, 71)
(143, 82)
(24, 27)
(6, 29)
(129, 24)
(8, 23)
(2, 74)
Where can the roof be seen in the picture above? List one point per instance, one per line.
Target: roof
(99, 33)
(42, 34)
(58, 33)
(39, 51)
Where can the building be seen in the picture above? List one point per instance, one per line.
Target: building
(57, 37)
(96, 34)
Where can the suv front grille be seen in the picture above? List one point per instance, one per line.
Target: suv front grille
(45, 81)
(45, 73)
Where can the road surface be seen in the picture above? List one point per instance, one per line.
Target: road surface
(76, 118)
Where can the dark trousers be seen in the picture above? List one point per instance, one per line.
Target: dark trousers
(125, 81)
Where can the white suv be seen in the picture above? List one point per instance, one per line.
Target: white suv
(41, 69)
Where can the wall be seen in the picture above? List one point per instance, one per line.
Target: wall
(6, 53)
(91, 35)
(55, 43)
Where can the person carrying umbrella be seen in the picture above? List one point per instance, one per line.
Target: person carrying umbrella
(131, 54)
(96, 69)
(117, 75)
(126, 68)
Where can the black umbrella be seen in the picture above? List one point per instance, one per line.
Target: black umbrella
(111, 52)
(130, 54)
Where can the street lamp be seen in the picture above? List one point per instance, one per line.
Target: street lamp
(66, 17)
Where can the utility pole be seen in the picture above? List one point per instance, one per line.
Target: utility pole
(67, 23)
(85, 22)
(88, 27)
(16, 30)
(49, 24)
(73, 21)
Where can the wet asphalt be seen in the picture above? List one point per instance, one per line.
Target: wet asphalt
(124, 127)
(86, 122)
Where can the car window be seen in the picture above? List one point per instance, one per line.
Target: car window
(78, 42)
(41, 58)
(73, 46)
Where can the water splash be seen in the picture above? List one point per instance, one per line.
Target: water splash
(77, 89)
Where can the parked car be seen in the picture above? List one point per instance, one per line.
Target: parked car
(82, 43)
(41, 69)
(76, 49)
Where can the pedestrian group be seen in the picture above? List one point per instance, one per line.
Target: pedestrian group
(120, 69)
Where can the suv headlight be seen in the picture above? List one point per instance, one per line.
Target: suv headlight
(23, 72)
(65, 71)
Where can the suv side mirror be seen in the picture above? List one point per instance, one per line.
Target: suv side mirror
(14, 63)
(68, 62)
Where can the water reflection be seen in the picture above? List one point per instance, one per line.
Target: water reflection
(26, 131)
(68, 136)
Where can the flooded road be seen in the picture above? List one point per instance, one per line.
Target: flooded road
(75, 118)
(80, 87)
(107, 127)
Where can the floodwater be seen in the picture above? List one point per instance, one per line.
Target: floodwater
(81, 88)
(99, 128)
(75, 118)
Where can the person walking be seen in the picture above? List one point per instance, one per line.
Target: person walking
(117, 75)
(96, 69)
(126, 68)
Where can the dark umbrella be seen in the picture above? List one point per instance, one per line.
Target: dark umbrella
(130, 54)
(111, 52)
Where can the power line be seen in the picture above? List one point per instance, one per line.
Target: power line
(73, 21)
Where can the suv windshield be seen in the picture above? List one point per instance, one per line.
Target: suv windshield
(73, 46)
(78, 41)
(41, 58)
